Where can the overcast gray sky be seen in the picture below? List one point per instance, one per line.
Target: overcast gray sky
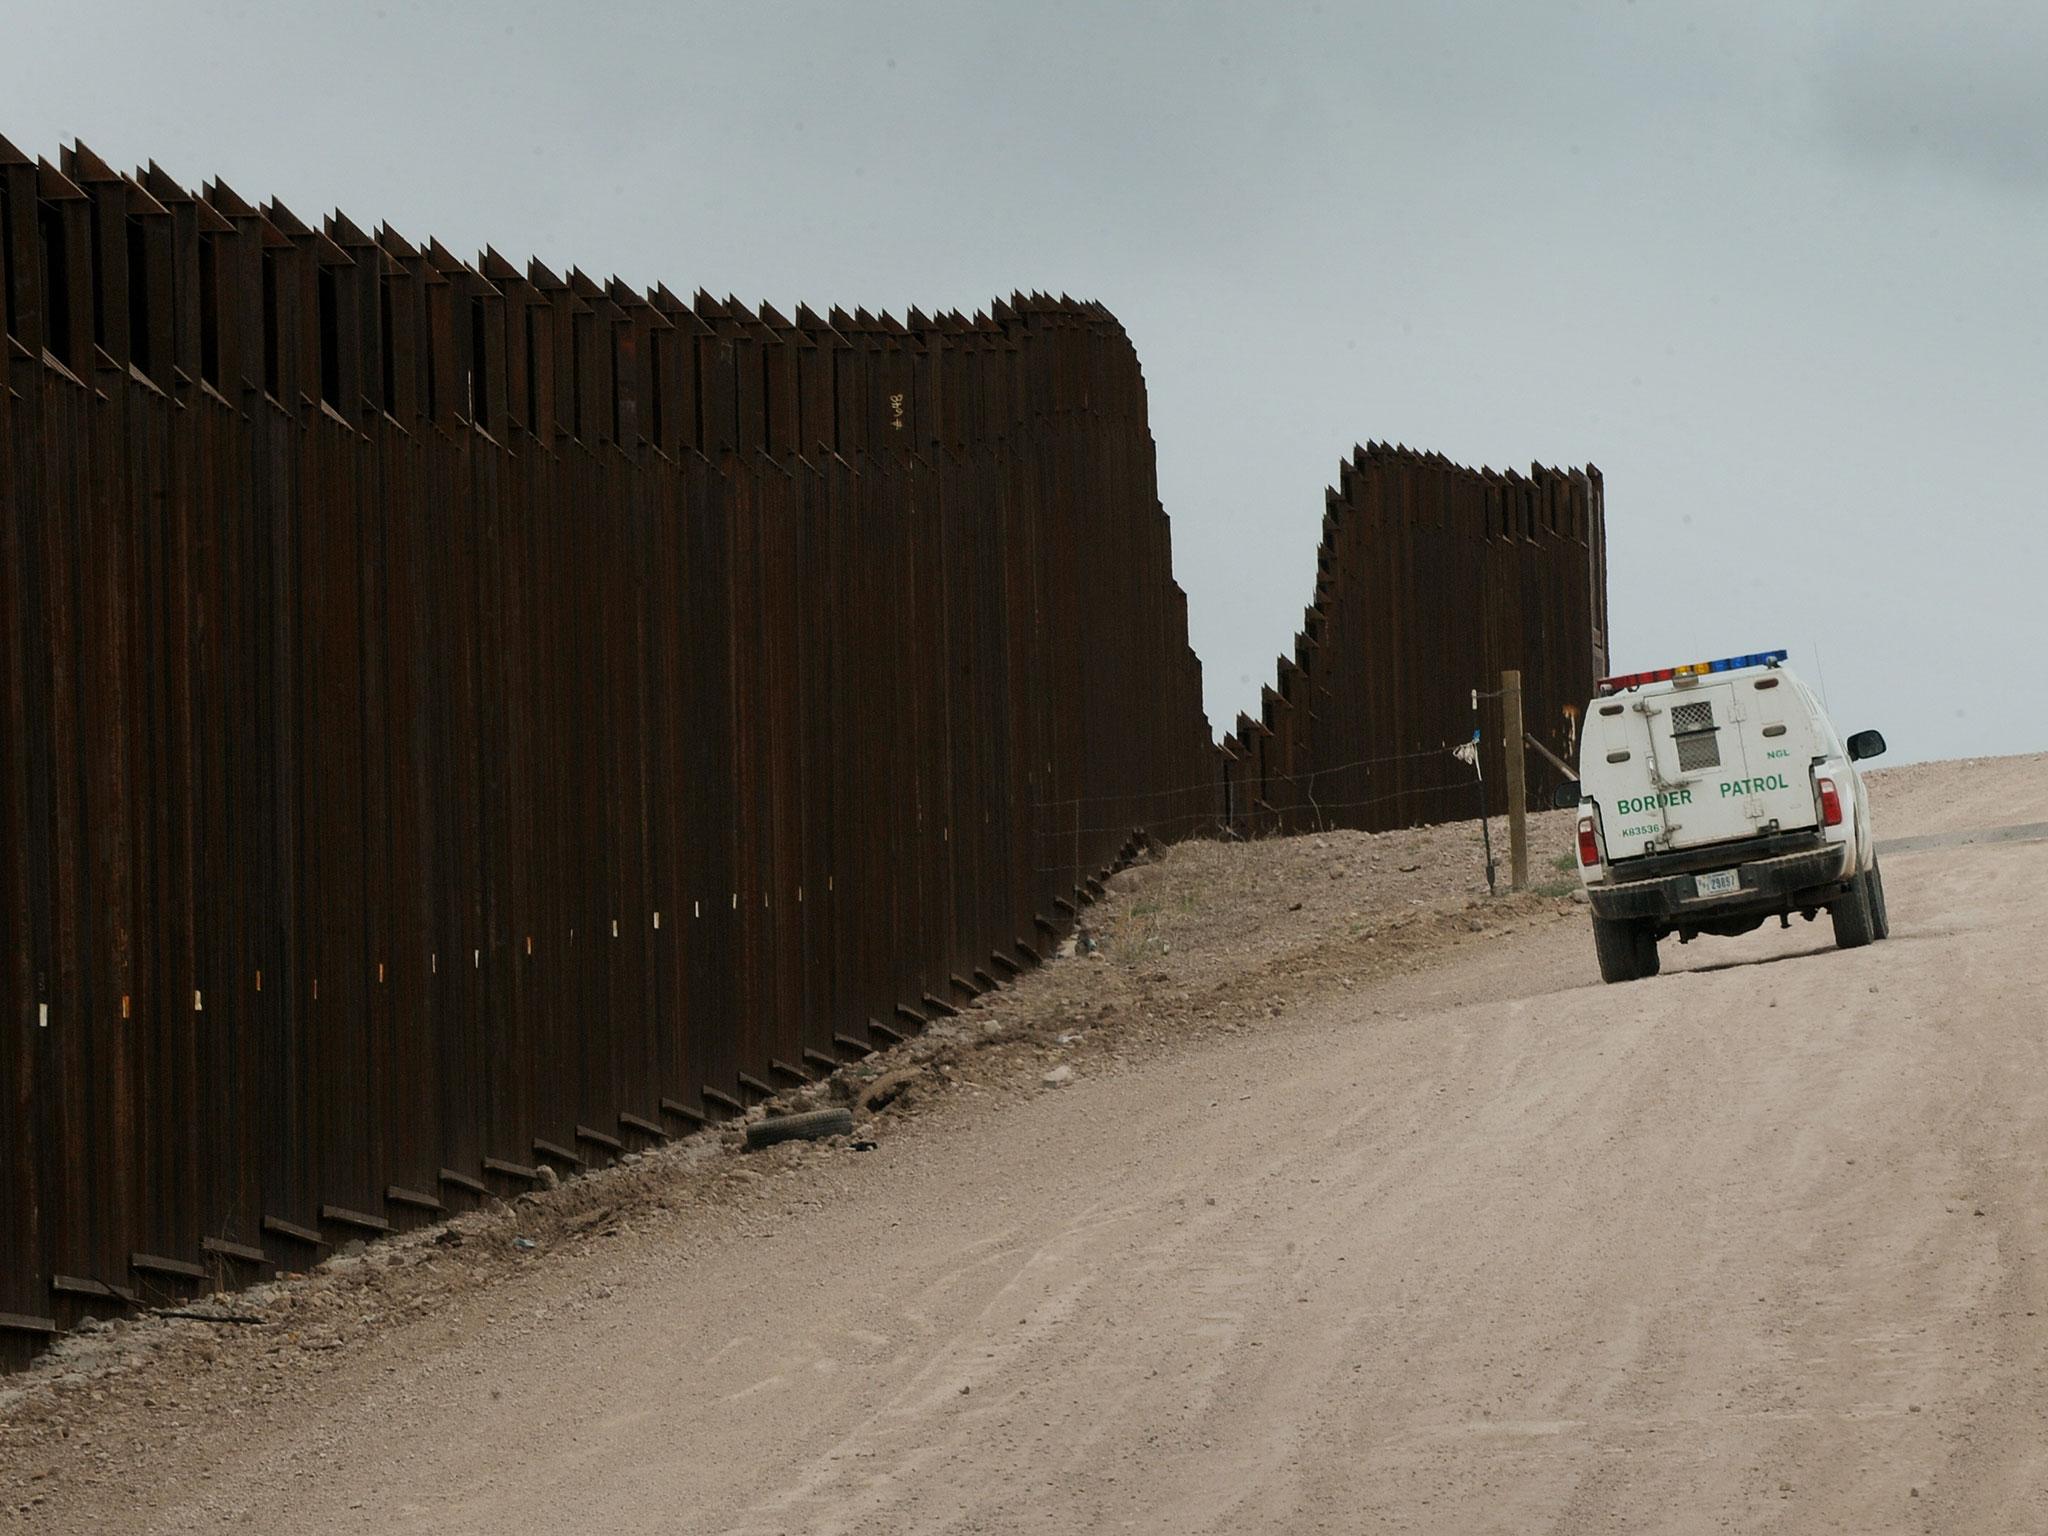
(1781, 271)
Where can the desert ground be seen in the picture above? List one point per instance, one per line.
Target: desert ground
(1316, 1191)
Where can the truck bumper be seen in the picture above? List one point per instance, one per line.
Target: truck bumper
(1783, 884)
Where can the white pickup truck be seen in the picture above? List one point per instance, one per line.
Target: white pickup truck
(1714, 796)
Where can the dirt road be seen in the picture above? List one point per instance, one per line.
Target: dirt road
(1759, 1245)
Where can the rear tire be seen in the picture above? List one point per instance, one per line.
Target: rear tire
(1882, 926)
(1855, 922)
(1626, 951)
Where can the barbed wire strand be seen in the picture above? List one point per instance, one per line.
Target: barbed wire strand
(1284, 778)
(1346, 805)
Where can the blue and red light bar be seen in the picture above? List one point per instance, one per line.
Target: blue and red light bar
(1692, 669)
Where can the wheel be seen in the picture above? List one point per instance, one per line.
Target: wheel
(1855, 921)
(813, 1125)
(1882, 926)
(1626, 951)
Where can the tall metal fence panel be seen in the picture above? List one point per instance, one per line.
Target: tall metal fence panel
(457, 720)
(1431, 580)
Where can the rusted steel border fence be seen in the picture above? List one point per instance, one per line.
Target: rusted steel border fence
(456, 719)
(1431, 579)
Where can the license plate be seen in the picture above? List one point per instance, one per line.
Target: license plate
(1718, 883)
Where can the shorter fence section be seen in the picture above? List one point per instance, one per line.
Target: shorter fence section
(1431, 579)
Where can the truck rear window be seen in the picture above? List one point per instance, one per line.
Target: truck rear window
(1698, 739)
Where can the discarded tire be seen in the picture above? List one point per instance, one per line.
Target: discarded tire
(813, 1125)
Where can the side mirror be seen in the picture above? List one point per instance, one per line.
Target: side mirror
(1566, 796)
(1866, 744)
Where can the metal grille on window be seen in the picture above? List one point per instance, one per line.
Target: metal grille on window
(1699, 746)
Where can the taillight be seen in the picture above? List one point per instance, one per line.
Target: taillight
(1589, 844)
(1830, 804)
